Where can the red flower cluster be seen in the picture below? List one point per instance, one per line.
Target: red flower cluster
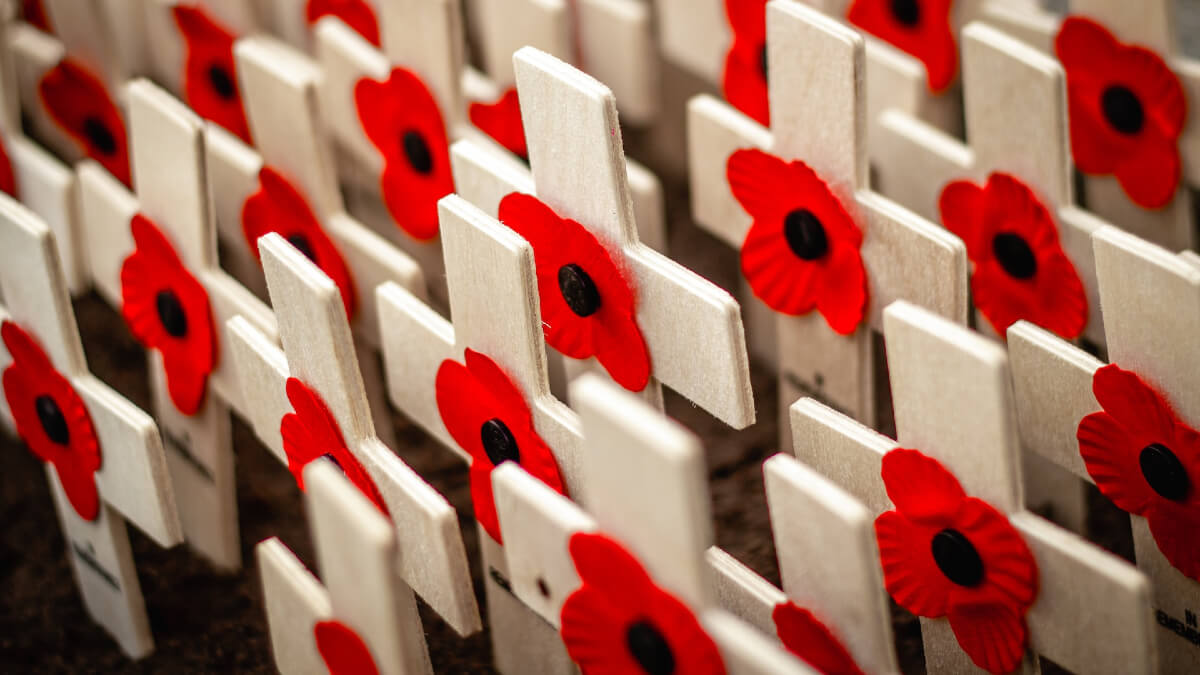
(502, 121)
(588, 306)
(279, 207)
(52, 419)
(803, 249)
(168, 310)
(744, 80)
(805, 636)
(356, 13)
(917, 27)
(1020, 271)
(78, 102)
(311, 432)
(947, 554)
(342, 650)
(210, 84)
(619, 621)
(487, 416)
(402, 119)
(1146, 460)
(1127, 111)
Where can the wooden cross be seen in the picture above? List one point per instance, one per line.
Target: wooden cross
(171, 190)
(131, 480)
(565, 108)
(319, 350)
(363, 601)
(1151, 25)
(637, 462)
(1053, 385)
(954, 403)
(819, 118)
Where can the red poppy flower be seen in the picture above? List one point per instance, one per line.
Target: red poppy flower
(279, 207)
(744, 80)
(803, 249)
(947, 554)
(1020, 270)
(806, 637)
(502, 121)
(35, 15)
(342, 650)
(488, 417)
(356, 13)
(167, 309)
(8, 178)
(403, 121)
(588, 305)
(1146, 460)
(917, 27)
(618, 621)
(311, 432)
(210, 82)
(78, 102)
(1127, 110)
(52, 419)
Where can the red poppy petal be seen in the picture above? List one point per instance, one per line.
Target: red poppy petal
(1064, 309)
(994, 297)
(604, 563)
(24, 349)
(910, 574)
(79, 484)
(1133, 402)
(1151, 176)
(1011, 574)
(783, 281)
(994, 636)
(483, 500)
(459, 400)
(921, 488)
(565, 330)
(8, 179)
(743, 82)
(502, 121)
(1082, 42)
(1110, 456)
(593, 629)
(34, 14)
(537, 224)
(499, 386)
(747, 18)
(842, 299)
(760, 182)
(622, 350)
(961, 207)
(355, 13)
(1174, 529)
(210, 74)
(806, 637)
(411, 205)
(342, 650)
(186, 385)
(80, 104)
(927, 36)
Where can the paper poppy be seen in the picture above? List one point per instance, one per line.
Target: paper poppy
(210, 83)
(805, 636)
(1020, 269)
(619, 621)
(167, 310)
(402, 119)
(342, 650)
(311, 432)
(1127, 110)
(488, 417)
(502, 121)
(8, 178)
(802, 250)
(80, 105)
(947, 554)
(35, 15)
(920, 28)
(355, 13)
(1146, 460)
(588, 305)
(744, 79)
(279, 207)
(52, 419)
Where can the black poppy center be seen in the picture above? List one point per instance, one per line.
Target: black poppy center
(1122, 109)
(417, 152)
(578, 290)
(99, 137)
(1164, 472)
(170, 313)
(303, 245)
(805, 234)
(649, 648)
(1014, 255)
(957, 558)
(907, 12)
(51, 417)
(762, 61)
(498, 442)
(221, 82)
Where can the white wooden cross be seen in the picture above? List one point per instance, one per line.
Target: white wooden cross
(171, 190)
(1151, 299)
(279, 87)
(954, 403)
(131, 480)
(819, 118)
(1152, 25)
(564, 108)
(318, 350)
(364, 612)
(637, 462)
